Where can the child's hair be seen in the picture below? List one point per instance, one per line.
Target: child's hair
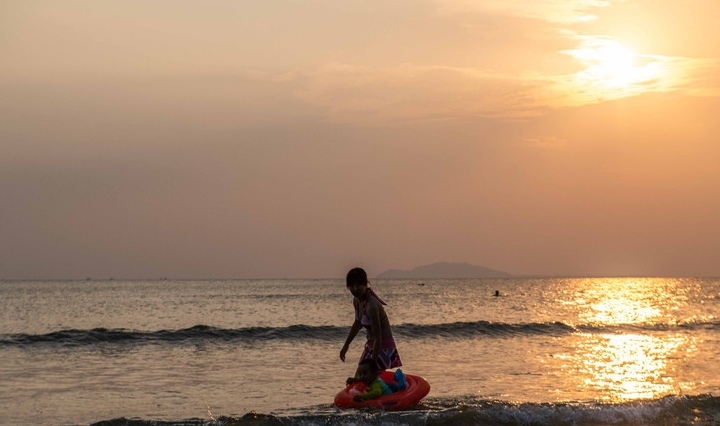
(356, 275)
(371, 364)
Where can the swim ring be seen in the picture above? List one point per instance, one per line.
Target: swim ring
(417, 388)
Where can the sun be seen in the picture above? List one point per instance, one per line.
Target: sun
(612, 69)
(614, 65)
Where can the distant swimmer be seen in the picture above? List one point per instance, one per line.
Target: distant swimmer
(497, 293)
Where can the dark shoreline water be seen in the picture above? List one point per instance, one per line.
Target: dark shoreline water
(701, 410)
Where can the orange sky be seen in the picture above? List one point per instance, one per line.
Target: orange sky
(297, 138)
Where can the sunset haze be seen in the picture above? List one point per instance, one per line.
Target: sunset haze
(298, 138)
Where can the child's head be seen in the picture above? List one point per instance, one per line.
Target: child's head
(356, 281)
(356, 276)
(368, 371)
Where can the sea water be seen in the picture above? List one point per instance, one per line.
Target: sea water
(546, 351)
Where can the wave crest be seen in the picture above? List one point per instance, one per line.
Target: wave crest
(74, 337)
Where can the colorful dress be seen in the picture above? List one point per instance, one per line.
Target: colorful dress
(389, 356)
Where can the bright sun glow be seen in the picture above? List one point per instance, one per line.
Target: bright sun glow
(613, 70)
(613, 64)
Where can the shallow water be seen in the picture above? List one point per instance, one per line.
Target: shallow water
(547, 351)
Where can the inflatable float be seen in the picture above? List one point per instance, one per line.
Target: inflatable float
(417, 388)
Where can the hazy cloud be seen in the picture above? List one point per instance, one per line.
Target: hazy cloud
(556, 11)
(410, 93)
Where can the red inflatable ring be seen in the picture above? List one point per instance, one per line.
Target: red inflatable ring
(417, 388)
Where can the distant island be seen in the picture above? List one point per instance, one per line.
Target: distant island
(446, 270)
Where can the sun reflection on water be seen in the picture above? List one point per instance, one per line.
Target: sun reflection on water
(633, 362)
(628, 366)
(617, 301)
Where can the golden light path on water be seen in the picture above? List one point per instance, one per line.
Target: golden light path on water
(629, 362)
(628, 367)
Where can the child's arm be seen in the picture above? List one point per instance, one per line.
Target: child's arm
(375, 390)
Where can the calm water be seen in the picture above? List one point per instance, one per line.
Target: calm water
(638, 351)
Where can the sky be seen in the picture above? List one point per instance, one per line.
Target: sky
(299, 138)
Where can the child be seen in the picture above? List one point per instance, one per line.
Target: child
(370, 314)
(376, 387)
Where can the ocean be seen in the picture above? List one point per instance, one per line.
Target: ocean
(546, 351)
